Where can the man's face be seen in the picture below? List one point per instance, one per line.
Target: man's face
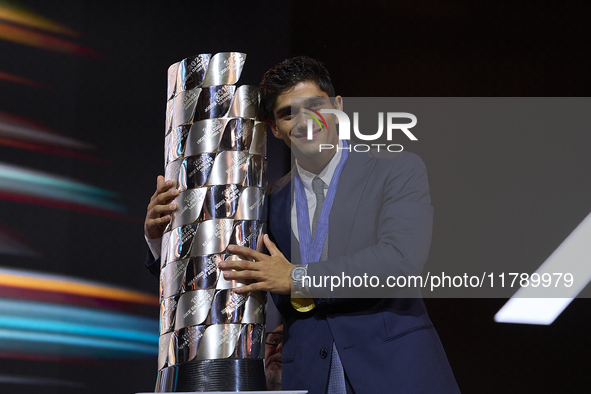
(291, 112)
(273, 361)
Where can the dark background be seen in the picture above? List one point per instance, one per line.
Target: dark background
(115, 101)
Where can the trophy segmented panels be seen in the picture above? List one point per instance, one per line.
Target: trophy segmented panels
(211, 338)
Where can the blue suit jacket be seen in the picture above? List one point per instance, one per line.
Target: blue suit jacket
(381, 219)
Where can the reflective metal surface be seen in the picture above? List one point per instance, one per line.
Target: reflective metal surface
(174, 143)
(167, 314)
(193, 308)
(227, 307)
(219, 341)
(258, 146)
(214, 102)
(254, 310)
(191, 72)
(168, 116)
(250, 342)
(190, 204)
(181, 240)
(237, 134)
(195, 171)
(213, 237)
(202, 272)
(172, 277)
(256, 171)
(251, 204)
(172, 76)
(245, 103)
(221, 201)
(184, 343)
(184, 107)
(205, 136)
(211, 338)
(163, 346)
(247, 233)
(229, 167)
(224, 68)
(172, 171)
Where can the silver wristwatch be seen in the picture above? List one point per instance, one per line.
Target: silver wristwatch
(297, 276)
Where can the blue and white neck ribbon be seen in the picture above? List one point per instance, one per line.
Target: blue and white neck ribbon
(311, 249)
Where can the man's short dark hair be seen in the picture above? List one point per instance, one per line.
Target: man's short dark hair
(286, 75)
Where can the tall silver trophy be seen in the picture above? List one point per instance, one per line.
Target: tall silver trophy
(211, 338)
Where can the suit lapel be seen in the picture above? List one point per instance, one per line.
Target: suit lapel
(352, 183)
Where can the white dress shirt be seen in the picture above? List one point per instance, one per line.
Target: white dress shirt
(307, 177)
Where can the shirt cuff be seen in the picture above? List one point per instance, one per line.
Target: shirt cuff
(154, 245)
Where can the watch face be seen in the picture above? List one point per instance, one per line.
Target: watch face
(298, 273)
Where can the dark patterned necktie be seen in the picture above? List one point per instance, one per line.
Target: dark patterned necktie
(318, 187)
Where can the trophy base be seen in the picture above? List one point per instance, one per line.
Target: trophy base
(213, 375)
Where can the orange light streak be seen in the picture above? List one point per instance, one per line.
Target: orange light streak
(21, 80)
(78, 288)
(35, 39)
(23, 17)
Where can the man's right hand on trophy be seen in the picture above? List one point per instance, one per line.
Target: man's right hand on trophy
(160, 208)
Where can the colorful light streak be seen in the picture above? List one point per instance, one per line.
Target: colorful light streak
(66, 285)
(45, 41)
(42, 329)
(16, 180)
(22, 133)
(78, 315)
(20, 80)
(33, 337)
(15, 127)
(11, 12)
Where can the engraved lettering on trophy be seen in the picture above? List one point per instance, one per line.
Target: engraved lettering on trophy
(190, 337)
(177, 272)
(229, 334)
(192, 199)
(258, 331)
(220, 228)
(219, 97)
(190, 99)
(211, 265)
(258, 202)
(250, 99)
(198, 303)
(202, 164)
(233, 63)
(235, 302)
(163, 344)
(196, 64)
(238, 162)
(242, 131)
(187, 233)
(231, 194)
(169, 309)
(253, 233)
(208, 133)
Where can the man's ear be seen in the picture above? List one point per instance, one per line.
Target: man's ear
(338, 104)
(274, 129)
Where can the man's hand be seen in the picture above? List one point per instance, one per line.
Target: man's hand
(159, 209)
(268, 273)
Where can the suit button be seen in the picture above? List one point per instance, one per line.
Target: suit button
(323, 353)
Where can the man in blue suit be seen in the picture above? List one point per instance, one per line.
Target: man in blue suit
(379, 220)
(338, 212)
